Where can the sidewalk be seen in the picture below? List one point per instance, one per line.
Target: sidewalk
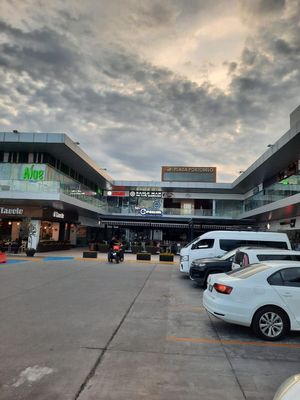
(77, 254)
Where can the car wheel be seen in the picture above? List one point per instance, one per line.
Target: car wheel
(271, 323)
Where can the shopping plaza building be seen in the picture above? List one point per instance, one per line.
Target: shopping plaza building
(48, 181)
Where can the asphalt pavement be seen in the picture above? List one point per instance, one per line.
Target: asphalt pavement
(85, 329)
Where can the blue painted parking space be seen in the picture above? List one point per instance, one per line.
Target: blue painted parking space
(58, 258)
(15, 261)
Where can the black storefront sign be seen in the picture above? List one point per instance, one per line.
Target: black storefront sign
(52, 214)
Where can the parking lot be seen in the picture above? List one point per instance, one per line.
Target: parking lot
(87, 330)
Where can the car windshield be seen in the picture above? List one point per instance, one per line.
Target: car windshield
(191, 243)
(227, 255)
(246, 272)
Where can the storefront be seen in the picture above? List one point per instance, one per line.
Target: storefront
(52, 226)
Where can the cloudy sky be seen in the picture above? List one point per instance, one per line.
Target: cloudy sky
(146, 83)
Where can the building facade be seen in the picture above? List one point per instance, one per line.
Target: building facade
(47, 180)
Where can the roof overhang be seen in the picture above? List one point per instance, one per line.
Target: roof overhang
(60, 146)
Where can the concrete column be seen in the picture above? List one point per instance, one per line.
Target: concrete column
(55, 231)
(213, 207)
(73, 234)
(33, 240)
(15, 230)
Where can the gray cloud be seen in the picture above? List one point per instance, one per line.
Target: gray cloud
(61, 72)
(39, 53)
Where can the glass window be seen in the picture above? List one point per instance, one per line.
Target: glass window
(230, 244)
(275, 279)
(204, 244)
(287, 257)
(277, 245)
(227, 256)
(64, 168)
(291, 276)
(188, 244)
(23, 157)
(13, 157)
(246, 272)
(268, 243)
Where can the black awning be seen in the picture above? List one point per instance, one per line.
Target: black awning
(149, 224)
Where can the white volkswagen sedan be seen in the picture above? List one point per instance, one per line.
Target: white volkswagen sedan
(265, 296)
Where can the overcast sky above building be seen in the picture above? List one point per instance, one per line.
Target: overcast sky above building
(146, 83)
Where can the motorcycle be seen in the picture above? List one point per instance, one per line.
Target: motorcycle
(115, 254)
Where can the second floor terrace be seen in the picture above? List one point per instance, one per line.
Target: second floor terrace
(127, 206)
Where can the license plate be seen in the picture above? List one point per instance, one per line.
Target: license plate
(210, 288)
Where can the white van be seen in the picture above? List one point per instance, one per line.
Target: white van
(245, 256)
(216, 243)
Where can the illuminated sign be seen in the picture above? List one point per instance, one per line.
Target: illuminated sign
(188, 174)
(202, 170)
(33, 172)
(145, 193)
(11, 211)
(118, 193)
(146, 211)
(59, 215)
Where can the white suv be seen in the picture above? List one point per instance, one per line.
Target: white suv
(249, 255)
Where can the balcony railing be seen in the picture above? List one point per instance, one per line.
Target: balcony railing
(271, 194)
(188, 212)
(29, 186)
(80, 193)
(86, 195)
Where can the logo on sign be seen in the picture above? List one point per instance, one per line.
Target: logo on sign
(11, 211)
(156, 204)
(57, 214)
(33, 173)
(145, 211)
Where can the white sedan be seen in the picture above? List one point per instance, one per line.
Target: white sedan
(265, 296)
(289, 389)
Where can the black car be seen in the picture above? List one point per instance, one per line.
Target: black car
(202, 267)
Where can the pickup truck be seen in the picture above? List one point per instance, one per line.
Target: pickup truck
(202, 267)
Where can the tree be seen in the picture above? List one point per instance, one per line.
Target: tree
(27, 231)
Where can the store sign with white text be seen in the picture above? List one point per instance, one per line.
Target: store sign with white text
(145, 193)
(59, 215)
(11, 211)
(146, 211)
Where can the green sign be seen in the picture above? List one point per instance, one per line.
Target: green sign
(33, 172)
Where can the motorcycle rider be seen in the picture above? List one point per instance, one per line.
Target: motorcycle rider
(114, 245)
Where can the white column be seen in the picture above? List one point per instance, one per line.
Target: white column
(73, 236)
(33, 240)
(214, 208)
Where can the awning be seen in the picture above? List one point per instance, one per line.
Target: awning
(145, 224)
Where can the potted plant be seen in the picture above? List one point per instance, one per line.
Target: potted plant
(30, 252)
(166, 257)
(143, 256)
